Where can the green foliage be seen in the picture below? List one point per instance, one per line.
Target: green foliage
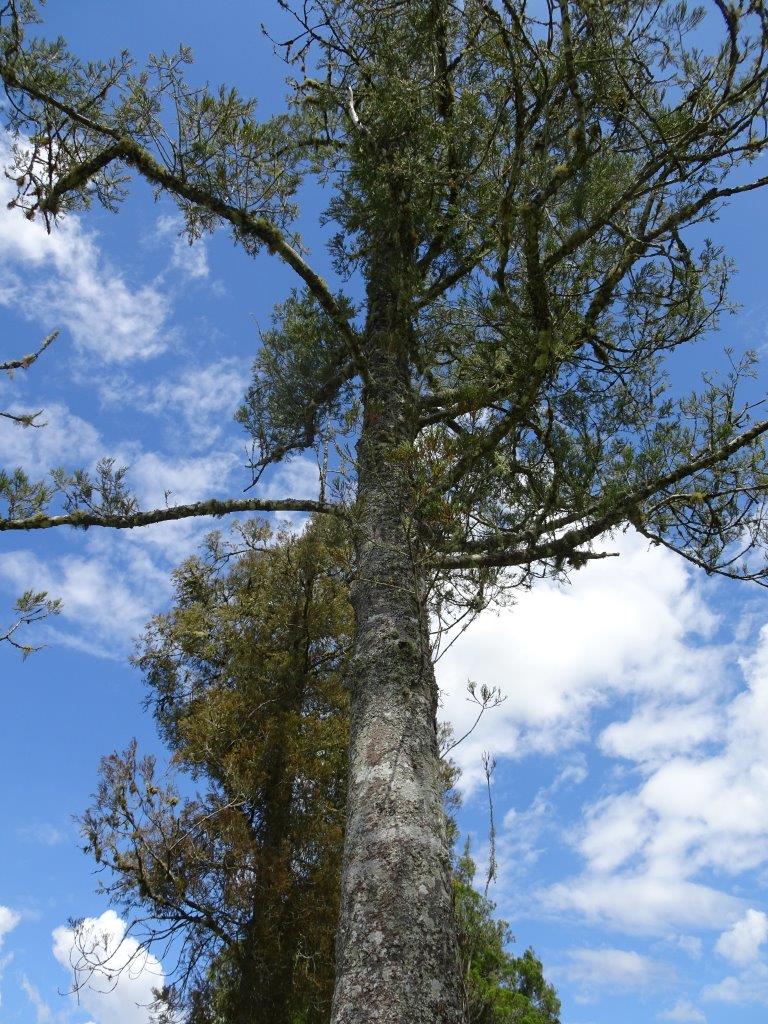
(23, 497)
(301, 380)
(105, 492)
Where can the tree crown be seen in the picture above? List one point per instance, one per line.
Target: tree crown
(526, 185)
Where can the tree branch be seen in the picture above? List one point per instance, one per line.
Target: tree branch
(570, 544)
(135, 156)
(26, 361)
(130, 521)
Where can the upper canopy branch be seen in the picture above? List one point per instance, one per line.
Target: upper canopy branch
(129, 152)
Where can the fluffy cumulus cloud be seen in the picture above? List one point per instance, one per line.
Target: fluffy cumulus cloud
(114, 978)
(697, 812)
(8, 921)
(742, 943)
(684, 1012)
(750, 986)
(682, 809)
(64, 279)
(632, 627)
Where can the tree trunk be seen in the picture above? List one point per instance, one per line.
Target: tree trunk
(397, 956)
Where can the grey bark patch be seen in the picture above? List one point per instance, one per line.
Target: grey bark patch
(397, 954)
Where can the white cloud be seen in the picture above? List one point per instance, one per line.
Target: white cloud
(701, 811)
(684, 1012)
(299, 478)
(190, 260)
(119, 991)
(64, 279)
(43, 1012)
(751, 986)
(657, 731)
(66, 438)
(643, 902)
(69, 440)
(619, 970)
(42, 832)
(630, 627)
(106, 602)
(741, 944)
(690, 944)
(110, 582)
(8, 921)
(198, 403)
(184, 480)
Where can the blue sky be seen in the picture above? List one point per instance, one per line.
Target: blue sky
(632, 783)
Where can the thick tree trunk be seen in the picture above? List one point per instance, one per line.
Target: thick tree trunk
(397, 958)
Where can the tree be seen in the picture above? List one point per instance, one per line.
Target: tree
(501, 989)
(245, 680)
(517, 190)
(245, 677)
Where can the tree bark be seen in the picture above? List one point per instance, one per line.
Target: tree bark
(397, 954)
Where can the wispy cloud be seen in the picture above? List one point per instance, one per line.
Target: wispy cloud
(43, 1012)
(616, 970)
(190, 259)
(196, 404)
(684, 1012)
(41, 832)
(8, 921)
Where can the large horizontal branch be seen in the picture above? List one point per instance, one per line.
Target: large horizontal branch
(515, 552)
(131, 520)
(131, 153)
